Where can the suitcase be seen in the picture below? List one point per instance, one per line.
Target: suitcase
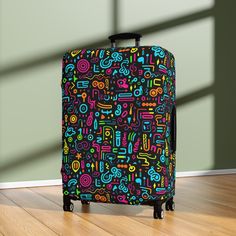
(119, 125)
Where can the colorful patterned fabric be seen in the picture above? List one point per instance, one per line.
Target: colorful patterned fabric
(116, 124)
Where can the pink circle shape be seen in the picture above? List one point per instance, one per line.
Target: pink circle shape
(83, 65)
(125, 105)
(85, 180)
(143, 98)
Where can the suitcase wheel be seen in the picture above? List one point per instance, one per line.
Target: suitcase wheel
(67, 204)
(158, 212)
(68, 207)
(84, 202)
(170, 204)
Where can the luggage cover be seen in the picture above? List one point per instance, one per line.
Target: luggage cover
(116, 124)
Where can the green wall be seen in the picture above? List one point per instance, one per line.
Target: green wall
(34, 36)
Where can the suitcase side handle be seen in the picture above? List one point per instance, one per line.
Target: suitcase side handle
(123, 36)
(173, 129)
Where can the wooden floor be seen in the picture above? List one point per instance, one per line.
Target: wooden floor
(204, 206)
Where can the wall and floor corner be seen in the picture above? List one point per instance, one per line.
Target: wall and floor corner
(33, 38)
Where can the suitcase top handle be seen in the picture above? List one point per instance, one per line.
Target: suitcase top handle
(123, 36)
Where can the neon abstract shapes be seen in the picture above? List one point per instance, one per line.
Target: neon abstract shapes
(116, 124)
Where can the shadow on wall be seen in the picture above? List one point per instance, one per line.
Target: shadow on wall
(225, 84)
(223, 88)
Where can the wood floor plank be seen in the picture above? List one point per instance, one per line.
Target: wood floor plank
(201, 212)
(204, 206)
(16, 221)
(227, 182)
(207, 213)
(204, 182)
(215, 205)
(50, 214)
(168, 225)
(214, 193)
(116, 224)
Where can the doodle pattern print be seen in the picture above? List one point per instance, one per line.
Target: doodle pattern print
(117, 107)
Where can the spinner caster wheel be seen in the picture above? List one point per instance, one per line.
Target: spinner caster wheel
(170, 205)
(68, 207)
(85, 202)
(158, 214)
(67, 204)
(158, 211)
(155, 215)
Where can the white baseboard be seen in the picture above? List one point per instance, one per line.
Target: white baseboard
(51, 182)
(35, 183)
(205, 172)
